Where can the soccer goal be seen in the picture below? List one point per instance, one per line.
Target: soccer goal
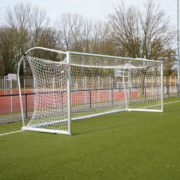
(72, 86)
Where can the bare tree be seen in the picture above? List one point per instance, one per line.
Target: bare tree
(8, 51)
(64, 26)
(143, 33)
(38, 22)
(77, 28)
(87, 35)
(170, 62)
(84, 35)
(28, 23)
(18, 20)
(48, 38)
(70, 29)
(101, 40)
(97, 36)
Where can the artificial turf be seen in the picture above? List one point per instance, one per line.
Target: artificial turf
(127, 145)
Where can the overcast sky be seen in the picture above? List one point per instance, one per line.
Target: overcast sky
(95, 9)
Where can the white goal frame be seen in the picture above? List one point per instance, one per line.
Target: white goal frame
(69, 90)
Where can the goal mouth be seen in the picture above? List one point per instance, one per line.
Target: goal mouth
(72, 86)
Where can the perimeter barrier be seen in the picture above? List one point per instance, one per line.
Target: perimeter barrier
(9, 103)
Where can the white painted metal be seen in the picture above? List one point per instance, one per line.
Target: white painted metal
(170, 84)
(69, 90)
(85, 89)
(24, 85)
(98, 89)
(5, 84)
(47, 49)
(146, 110)
(162, 89)
(19, 85)
(110, 94)
(54, 96)
(178, 54)
(45, 130)
(2, 84)
(34, 84)
(11, 85)
(124, 85)
(114, 57)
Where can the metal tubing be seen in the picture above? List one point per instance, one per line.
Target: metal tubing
(19, 86)
(90, 98)
(45, 130)
(11, 97)
(34, 84)
(69, 90)
(112, 96)
(24, 86)
(47, 49)
(62, 100)
(114, 57)
(130, 93)
(2, 85)
(162, 91)
(125, 98)
(26, 104)
(146, 110)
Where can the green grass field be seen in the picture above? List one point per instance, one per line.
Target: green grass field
(122, 146)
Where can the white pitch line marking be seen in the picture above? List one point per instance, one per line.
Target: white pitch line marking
(171, 102)
(10, 133)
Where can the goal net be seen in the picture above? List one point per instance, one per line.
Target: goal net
(72, 86)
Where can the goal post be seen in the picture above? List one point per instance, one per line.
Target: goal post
(72, 86)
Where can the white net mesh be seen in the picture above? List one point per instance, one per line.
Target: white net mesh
(146, 89)
(104, 84)
(50, 108)
(99, 85)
